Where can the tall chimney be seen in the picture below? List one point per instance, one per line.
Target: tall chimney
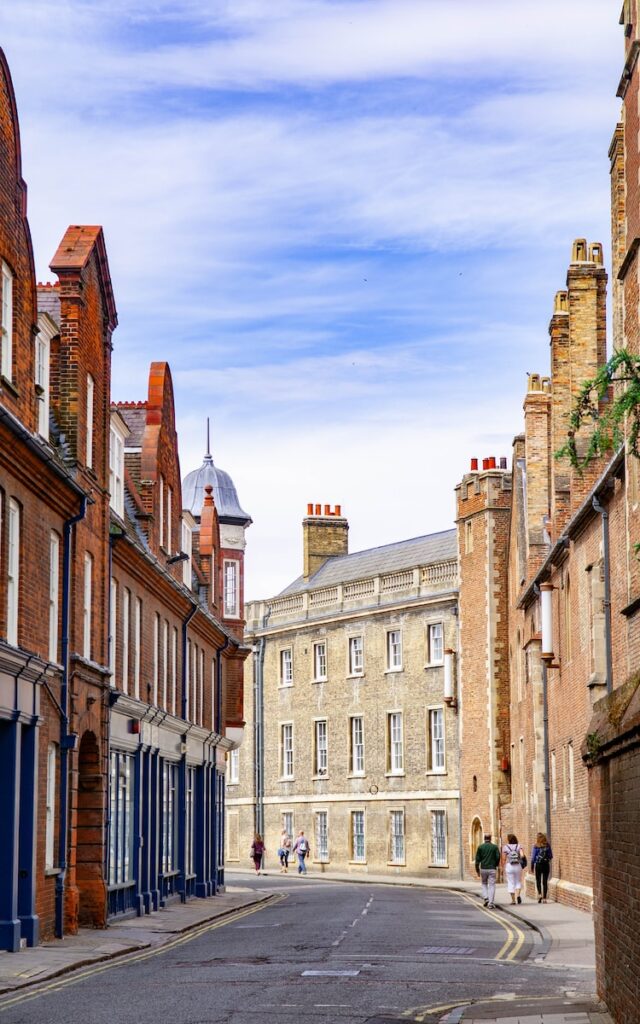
(323, 537)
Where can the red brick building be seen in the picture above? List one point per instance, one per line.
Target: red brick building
(120, 615)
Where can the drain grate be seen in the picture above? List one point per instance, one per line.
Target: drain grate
(447, 950)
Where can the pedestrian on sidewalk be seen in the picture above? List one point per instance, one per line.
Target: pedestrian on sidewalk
(512, 857)
(258, 851)
(284, 851)
(487, 860)
(301, 848)
(541, 857)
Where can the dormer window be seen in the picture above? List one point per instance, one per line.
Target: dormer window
(116, 464)
(6, 321)
(187, 548)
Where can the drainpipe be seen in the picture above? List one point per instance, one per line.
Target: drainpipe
(258, 726)
(66, 740)
(545, 747)
(607, 588)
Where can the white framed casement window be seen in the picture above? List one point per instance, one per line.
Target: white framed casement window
(436, 746)
(322, 837)
(201, 693)
(126, 625)
(165, 665)
(113, 611)
(169, 519)
(87, 605)
(395, 744)
(212, 717)
(116, 467)
(234, 767)
(287, 822)
(13, 571)
(54, 594)
(439, 838)
(193, 696)
(358, 847)
(52, 760)
(88, 427)
(6, 321)
(161, 533)
(155, 666)
(286, 667)
(435, 643)
(174, 670)
(396, 837)
(356, 656)
(231, 595)
(43, 362)
(320, 661)
(394, 650)
(137, 640)
(286, 750)
(320, 747)
(356, 759)
(187, 548)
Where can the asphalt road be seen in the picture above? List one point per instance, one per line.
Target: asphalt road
(320, 952)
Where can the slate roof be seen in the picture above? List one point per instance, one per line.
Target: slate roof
(404, 554)
(49, 301)
(134, 415)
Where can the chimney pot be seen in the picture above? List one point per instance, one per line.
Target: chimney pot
(474, 465)
(485, 463)
(327, 510)
(310, 509)
(579, 252)
(492, 462)
(503, 462)
(318, 510)
(338, 510)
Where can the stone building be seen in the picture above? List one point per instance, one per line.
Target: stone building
(349, 734)
(121, 650)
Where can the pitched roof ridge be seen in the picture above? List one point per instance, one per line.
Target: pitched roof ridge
(130, 405)
(391, 544)
(49, 285)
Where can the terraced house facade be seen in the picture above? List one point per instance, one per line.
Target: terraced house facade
(351, 735)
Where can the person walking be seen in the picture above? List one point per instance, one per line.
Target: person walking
(284, 851)
(487, 860)
(512, 858)
(301, 848)
(258, 851)
(541, 857)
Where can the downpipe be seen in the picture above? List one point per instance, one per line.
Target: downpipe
(602, 511)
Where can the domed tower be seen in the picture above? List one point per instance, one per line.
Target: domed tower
(233, 521)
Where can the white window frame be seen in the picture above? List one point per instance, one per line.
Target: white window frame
(286, 751)
(50, 823)
(356, 655)
(116, 468)
(437, 764)
(356, 743)
(201, 689)
(6, 322)
(358, 838)
(435, 643)
(13, 572)
(439, 842)
(187, 549)
(193, 696)
(155, 666)
(321, 855)
(174, 670)
(54, 594)
(161, 510)
(165, 664)
(395, 743)
(320, 661)
(126, 622)
(87, 603)
(137, 635)
(285, 658)
(231, 579)
(397, 836)
(43, 362)
(320, 748)
(394, 650)
(169, 518)
(234, 767)
(88, 427)
(113, 611)
(288, 822)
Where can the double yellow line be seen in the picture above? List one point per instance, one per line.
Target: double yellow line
(515, 936)
(126, 960)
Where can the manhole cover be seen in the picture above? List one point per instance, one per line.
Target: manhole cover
(447, 950)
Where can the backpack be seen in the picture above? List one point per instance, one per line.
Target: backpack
(543, 855)
(303, 846)
(514, 855)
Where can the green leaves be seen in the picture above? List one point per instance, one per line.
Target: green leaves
(611, 401)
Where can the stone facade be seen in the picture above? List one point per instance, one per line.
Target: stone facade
(348, 673)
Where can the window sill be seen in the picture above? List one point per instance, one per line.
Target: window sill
(395, 775)
(7, 385)
(355, 675)
(445, 865)
(287, 778)
(358, 863)
(357, 775)
(285, 686)
(437, 771)
(321, 679)
(396, 863)
(51, 872)
(320, 778)
(393, 671)
(434, 664)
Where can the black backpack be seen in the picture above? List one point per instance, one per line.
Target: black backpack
(543, 855)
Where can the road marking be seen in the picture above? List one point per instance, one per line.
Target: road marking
(330, 974)
(515, 935)
(126, 960)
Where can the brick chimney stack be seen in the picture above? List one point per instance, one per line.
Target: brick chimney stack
(537, 454)
(325, 534)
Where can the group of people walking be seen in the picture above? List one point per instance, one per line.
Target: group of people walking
(287, 848)
(489, 857)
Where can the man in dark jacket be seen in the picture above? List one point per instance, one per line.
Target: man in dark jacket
(487, 860)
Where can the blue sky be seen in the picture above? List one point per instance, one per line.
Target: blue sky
(343, 224)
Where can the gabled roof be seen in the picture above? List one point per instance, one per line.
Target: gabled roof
(404, 554)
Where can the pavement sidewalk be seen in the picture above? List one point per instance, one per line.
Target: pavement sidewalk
(121, 938)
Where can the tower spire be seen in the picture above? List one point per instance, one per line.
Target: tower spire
(208, 455)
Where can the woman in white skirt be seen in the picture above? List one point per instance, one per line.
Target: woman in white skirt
(512, 854)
